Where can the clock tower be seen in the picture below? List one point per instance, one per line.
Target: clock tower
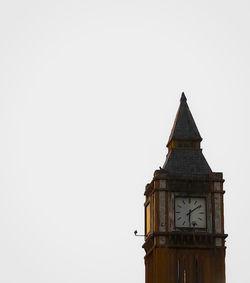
(184, 220)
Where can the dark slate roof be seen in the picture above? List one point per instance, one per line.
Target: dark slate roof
(186, 162)
(184, 127)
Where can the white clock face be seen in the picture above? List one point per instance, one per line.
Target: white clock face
(190, 212)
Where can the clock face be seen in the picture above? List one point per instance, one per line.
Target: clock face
(190, 212)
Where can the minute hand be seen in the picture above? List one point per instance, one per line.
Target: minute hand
(199, 206)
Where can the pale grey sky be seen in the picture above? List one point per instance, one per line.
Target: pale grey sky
(88, 95)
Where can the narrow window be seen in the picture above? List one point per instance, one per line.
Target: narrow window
(184, 276)
(147, 211)
(196, 271)
(178, 271)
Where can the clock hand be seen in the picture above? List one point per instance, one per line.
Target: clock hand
(190, 211)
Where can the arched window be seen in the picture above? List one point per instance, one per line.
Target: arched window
(178, 271)
(184, 276)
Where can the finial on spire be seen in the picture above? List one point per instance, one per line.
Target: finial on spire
(183, 97)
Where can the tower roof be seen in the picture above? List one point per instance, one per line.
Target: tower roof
(185, 158)
(186, 162)
(184, 127)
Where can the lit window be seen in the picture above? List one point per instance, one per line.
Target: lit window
(147, 219)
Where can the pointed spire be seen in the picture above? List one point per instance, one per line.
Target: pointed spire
(183, 97)
(184, 127)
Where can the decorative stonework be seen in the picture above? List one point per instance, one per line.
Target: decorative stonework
(175, 252)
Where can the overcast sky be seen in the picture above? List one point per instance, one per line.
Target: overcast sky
(88, 95)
